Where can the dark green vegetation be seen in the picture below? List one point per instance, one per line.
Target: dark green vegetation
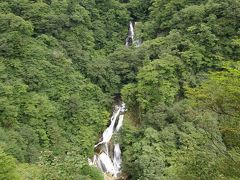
(55, 84)
(61, 61)
(186, 97)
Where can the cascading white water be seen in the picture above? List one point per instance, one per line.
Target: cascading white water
(120, 122)
(107, 134)
(130, 38)
(117, 158)
(106, 164)
(131, 29)
(103, 160)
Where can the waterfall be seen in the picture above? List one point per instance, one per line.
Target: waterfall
(117, 158)
(131, 39)
(120, 123)
(110, 162)
(107, 134)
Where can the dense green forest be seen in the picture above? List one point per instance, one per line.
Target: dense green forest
(62, 62)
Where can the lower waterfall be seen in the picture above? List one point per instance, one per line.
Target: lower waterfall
(109, 161)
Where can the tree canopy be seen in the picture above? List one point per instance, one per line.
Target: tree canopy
(62, 61)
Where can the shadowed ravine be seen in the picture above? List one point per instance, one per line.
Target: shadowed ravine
(107, 159)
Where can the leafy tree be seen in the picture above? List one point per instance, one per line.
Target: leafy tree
(126, 63)
(68, 166)
(7, 167)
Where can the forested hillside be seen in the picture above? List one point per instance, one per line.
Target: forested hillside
(56, 84)
(185, 97)
(62, 62)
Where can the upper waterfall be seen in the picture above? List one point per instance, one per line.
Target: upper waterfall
(130, 38)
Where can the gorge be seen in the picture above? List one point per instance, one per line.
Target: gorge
(174, 63)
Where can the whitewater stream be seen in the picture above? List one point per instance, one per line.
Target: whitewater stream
(130, 37)
(110, 161)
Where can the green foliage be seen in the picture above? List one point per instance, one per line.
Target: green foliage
(212, 94)
(29, 171)
(196, 137)
(139, 9)
(61, 61)
(157, 82)
(69, 166)
(54, 74)
(7, 167)
(126, 63)
(10, 22)
(187, 97)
